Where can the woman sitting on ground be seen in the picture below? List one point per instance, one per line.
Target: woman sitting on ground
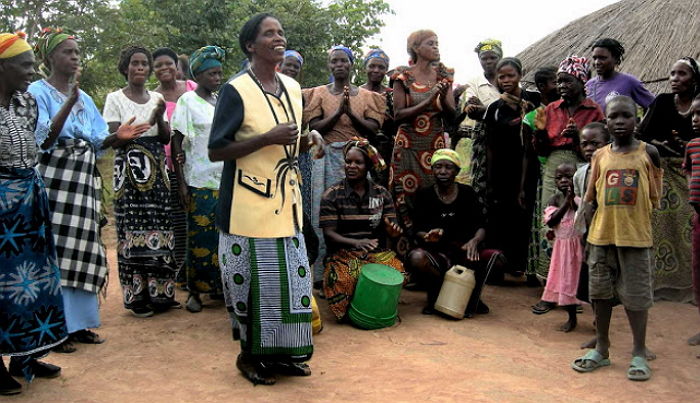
(449, 224)
(357, 215)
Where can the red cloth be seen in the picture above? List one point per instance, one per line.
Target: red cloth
(696, 258)
(558, 118)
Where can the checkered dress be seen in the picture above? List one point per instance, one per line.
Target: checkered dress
(69, 173)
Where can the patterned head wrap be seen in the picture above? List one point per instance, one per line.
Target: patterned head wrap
(48, 42)
(377, 54)
(205, 58)
(12, 45)
(490, 45)
(294, 54)
(578, 67)
(368, 150)
(692, 63)
(446, 154)
(344, 49)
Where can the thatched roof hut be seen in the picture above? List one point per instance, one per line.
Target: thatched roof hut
(655, 33)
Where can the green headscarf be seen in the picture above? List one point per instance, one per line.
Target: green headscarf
(48, 41)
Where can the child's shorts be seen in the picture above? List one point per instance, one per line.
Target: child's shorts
(621, 272)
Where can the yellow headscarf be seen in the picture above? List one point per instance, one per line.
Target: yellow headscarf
(446, 154)
(12, 45)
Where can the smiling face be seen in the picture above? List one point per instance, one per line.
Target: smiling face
(376, 70)
(603, 62)
(17, 72)
(621, 119)
(139, 69)
(165, 68)
(290, 67)
(508, 78)
(355, 164)
(682, 79)
(270, 42)
(445, 172)
(339, 64)
(65, 59)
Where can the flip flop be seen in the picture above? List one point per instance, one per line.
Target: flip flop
(638, 364)
(542, 308)
(592, 356)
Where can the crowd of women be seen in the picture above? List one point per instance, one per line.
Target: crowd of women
(302, 190)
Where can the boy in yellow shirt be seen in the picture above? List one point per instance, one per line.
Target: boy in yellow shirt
(624, 186)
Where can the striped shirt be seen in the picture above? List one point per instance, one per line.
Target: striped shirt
(691, 165)
(354, 216)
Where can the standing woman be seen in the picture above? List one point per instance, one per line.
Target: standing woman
(376, 66)
(341, 112)
(198, 177)
(31, 306)
(165, 67)
(558, 141)
(507, 165)
(144, 231)
(479, 93)
(74, 131)
(667, 125)
(423, 101)
(264, 267)
(609, 83)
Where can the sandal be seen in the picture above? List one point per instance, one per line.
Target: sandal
(65, 348)
(255, 373)
(639, 369)
(542, 307)
(289, 368)
(590, 362)
(86, 336)
(194, 303)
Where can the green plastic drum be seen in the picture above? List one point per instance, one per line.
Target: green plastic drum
(376, 298)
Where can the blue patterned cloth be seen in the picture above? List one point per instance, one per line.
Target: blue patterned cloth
(31, 306)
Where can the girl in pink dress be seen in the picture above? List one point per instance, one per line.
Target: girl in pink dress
(567, 254)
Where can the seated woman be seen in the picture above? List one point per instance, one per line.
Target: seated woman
(357, 215)
(449, 224)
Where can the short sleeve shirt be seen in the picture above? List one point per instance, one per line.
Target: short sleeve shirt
(119, 108)
(691, 165)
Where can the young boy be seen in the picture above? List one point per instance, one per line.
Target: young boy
(624, 185)
(692, 168)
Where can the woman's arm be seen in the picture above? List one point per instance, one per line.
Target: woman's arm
(324, 125)
(59, 120)
(402, 111)
(122, 134)
(449, 109)
(178, 163)
(364, 244)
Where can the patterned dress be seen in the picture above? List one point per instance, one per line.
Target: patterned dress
(414, 146)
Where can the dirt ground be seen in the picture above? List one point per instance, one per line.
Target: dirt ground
(508, 355)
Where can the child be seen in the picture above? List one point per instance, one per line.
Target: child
(624, 185)
(567, 252)
(692, 167)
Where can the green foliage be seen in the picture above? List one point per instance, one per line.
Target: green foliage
(105, 27)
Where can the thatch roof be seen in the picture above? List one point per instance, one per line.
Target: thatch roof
(655, 33)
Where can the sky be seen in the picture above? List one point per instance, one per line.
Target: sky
(461, 24)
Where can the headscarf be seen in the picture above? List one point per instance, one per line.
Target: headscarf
(293, 53)
(344, 49)
(446, 154)
(693, 64)
(48, 42)
(368, 150)
(205, 58)
(490, 45)
(578, 67)
(377, 54)
(12, 45)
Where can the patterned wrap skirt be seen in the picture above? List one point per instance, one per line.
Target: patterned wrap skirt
(342, 270)
(202, 262)
(267, 289)
(31, 305)
(144, 230)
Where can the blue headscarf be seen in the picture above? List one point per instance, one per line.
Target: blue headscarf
(377, 54)
(294, 54)
(344, 49)
(206, 58)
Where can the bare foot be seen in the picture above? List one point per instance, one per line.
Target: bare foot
(589, 344)
(568, 326)
(254, 373)
(695, 340)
